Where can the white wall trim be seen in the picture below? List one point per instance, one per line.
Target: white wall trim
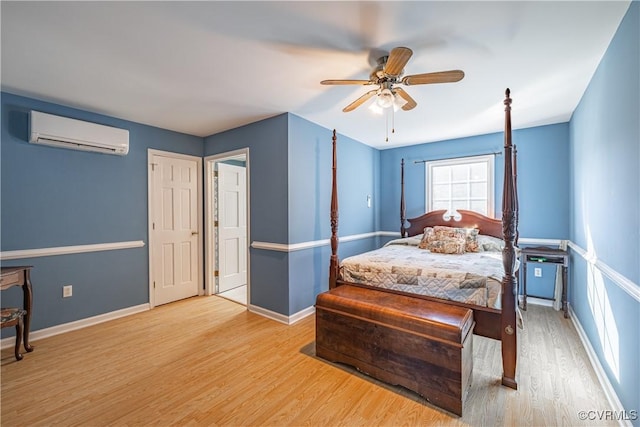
(284, 247)
(536, 301)
(302, 314)
(608, 389)
(66, 250)
(389, 233)
(78, 324)
(287, 320)
(279, 247)
(209, 229)
(633, 289)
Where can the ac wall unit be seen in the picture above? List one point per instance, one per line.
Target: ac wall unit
(63, 132)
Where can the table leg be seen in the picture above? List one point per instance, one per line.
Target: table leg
(27, 302)
(19, 329)
(524, 286)
(565, 309)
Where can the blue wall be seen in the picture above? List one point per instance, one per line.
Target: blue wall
(310, 160)
(543, 183)
(543, 176)
(605, 208)
(269, 217)
(290, 185)
(58, 197)
(310, 152)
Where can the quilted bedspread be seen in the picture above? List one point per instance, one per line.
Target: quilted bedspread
(472, 278)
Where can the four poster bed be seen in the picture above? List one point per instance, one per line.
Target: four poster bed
(493, 311)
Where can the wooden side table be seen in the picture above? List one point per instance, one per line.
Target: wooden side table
(545, 255)
(19, 276)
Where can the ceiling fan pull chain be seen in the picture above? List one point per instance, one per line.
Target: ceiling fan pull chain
(387, 126)
(393, 120)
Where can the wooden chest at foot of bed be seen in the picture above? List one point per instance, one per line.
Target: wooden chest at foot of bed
(422, 345)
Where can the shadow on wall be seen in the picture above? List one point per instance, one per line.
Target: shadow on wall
(19, 124)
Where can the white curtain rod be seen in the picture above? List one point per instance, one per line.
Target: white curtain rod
(495, 153)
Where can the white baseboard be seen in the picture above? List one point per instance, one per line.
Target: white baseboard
(608, 389)
(537, 301)
(302, 314)
(78, 324)
(287, 320)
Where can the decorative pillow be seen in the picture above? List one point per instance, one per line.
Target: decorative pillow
(490, 243)
(441, 232)
(468, 234)
(471, 240)
(447, 245)
(427, 236)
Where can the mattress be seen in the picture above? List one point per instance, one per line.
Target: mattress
(472, 278)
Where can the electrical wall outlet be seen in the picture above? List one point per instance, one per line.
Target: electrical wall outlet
(537, 272)
(67, 291)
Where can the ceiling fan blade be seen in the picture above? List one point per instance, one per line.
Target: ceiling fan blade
(398, 58)
(439, 77)
(358, 102)
(345, 82)
(411, 103)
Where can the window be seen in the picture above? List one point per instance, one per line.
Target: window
(462, 183)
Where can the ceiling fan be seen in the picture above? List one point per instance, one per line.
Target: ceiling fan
(387, 75)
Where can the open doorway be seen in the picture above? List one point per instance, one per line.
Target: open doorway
(227, 225)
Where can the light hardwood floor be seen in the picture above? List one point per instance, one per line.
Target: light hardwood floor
(207, 361)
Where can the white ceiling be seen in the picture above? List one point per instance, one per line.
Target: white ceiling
(205, 67)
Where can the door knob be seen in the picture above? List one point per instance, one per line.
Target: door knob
(193, 233)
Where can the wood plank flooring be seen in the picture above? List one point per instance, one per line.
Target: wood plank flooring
(208, 361)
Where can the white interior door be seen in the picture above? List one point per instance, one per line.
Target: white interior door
(174, 246)
(232, 226)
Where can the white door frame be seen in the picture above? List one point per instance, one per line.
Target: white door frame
(198, 160)
(231, 180)
(210, 231)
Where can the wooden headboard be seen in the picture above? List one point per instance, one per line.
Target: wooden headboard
(468, 219)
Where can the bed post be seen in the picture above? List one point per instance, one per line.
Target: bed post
(509, 224)
(334, 264)
(403, 213)
(515, 192)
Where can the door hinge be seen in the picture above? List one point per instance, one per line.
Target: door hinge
(153, 225)
(215, 174)
(215, 223)
(216, 273)
(154, 284)
(153, 167)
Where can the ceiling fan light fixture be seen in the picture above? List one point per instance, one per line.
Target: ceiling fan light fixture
(398, 102)
(385, 98)
(375, 108)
